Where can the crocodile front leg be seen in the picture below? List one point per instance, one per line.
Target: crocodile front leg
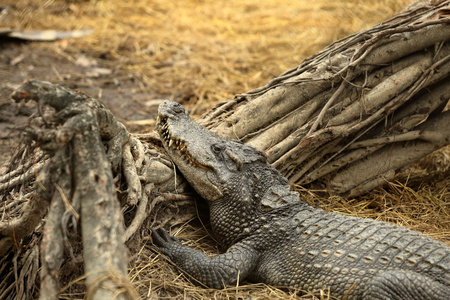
(215, 272)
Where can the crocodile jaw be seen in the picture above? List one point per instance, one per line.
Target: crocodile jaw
(188, 145)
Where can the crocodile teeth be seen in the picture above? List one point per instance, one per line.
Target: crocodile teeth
(170, 143)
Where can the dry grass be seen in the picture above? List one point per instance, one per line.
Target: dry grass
(204, 51)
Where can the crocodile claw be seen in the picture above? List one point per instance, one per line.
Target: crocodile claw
(164, 243)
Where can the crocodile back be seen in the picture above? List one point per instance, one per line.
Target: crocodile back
(342, 252)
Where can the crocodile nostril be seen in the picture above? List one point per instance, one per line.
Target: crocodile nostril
(177, 108)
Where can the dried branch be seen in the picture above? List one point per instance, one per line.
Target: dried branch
(52, 245)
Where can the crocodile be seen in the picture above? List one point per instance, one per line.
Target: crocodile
(274, 237)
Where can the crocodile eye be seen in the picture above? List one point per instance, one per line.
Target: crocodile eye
(216, 149)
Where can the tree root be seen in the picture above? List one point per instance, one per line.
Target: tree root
(79, 168)
(432, 134)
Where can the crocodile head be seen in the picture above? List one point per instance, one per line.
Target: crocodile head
(209, 162)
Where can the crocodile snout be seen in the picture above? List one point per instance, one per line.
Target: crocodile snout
(171, 109)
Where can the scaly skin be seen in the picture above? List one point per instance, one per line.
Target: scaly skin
(275, 238)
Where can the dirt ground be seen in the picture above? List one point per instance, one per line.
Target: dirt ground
(197, 52)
